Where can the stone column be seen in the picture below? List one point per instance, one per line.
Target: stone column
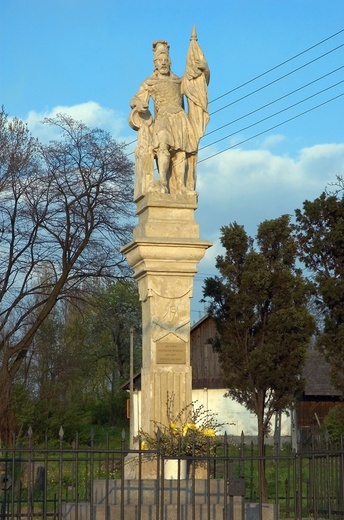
(164, 254)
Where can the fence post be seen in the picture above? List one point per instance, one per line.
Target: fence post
(225, 476)
(341, 474)
(123, 453)
(91, 486)
(30, 467)
(61, 435)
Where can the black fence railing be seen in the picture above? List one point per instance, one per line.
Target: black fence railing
(97, 481)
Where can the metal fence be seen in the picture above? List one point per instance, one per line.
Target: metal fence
(63, 480)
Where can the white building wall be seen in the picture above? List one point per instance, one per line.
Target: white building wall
(228, 411)
(237, 417)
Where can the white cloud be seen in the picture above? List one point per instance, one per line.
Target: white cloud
(250, 186)
(272, 140)
(90, 113)
(260, 185)
(322, 161)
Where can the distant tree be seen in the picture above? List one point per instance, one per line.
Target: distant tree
(66, 210)
(102, 331)
(259, 303)
(78, 362)
(334, 422)
(115, 310)
(320, 226)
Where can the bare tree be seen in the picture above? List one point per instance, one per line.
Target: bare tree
(65, 209)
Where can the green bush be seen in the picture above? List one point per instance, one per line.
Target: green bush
(334, 422)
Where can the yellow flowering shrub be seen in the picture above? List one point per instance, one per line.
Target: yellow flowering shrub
(192, 431)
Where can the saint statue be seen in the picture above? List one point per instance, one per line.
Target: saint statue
(172, 136)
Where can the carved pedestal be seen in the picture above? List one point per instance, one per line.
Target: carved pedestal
(164, 255)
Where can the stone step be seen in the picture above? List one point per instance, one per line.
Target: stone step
(149, 491)
(148, 512)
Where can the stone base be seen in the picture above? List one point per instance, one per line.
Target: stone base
(269, 511)
(131, 498)
(132, 467)
(149, 467)
(199, 470)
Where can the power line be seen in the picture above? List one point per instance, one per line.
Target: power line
(277, 66)
(274, 101)
(276, 80)
(273, 115)
(272, 127)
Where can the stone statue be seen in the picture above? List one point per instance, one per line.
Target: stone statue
(171, 138)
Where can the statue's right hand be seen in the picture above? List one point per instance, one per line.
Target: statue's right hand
(139, 116)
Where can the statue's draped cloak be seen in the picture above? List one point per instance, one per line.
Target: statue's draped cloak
(196, 91)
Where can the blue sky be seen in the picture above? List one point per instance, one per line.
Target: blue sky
(88, 57)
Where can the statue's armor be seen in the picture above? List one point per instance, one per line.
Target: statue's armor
(171, 124)
(166, 95)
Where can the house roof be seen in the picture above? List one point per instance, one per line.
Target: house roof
(317, 376)
(199, 322)
(136, 382)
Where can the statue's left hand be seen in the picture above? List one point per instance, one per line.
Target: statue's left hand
(201, 65)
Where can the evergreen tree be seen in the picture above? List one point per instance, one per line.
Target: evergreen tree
(259, 303)
(320, 234)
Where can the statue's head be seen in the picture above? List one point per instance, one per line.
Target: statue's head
(162, 61)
